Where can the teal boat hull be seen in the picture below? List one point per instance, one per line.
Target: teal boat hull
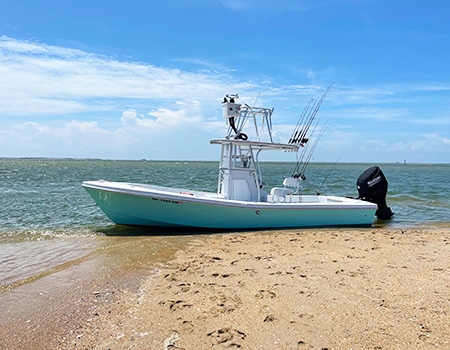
(147, 208)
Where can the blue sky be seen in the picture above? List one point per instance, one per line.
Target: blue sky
(144, 79)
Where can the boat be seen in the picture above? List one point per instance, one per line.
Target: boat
(241, 202)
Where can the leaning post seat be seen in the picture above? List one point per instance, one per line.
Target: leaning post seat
(280, 192)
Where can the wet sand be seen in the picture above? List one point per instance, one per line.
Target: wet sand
(294, 289)
(46, 310)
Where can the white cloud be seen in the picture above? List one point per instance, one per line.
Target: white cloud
(39, 79)
(84, 127)
(428, 142)
(147, 106)
(160, 118)
(141, 133)
(33, 127)
(72, 139)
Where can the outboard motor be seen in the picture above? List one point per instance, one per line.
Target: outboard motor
(372, 187)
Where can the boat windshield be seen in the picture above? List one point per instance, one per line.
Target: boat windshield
(241, 161)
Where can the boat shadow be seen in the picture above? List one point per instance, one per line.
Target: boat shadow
(125, 230)
(158, 231)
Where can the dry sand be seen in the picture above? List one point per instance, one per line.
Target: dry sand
(294, 289)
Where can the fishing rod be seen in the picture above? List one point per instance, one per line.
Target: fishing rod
(302, 136)
(293, 139)
(315, 110)
(326, 177)
(296, 173)
(311, 152)
(299, 138)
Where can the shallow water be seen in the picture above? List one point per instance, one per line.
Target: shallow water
(47, 219)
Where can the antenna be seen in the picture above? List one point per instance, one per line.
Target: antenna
(326, 177)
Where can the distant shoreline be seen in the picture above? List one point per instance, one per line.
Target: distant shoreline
(203, 161)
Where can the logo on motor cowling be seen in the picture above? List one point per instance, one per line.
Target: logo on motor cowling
(374, 181)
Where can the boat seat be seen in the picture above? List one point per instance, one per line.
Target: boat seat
(280, 192)
(292, 182)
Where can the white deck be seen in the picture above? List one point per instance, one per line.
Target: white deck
(291, 201)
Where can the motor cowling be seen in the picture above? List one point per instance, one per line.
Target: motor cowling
(372, 187)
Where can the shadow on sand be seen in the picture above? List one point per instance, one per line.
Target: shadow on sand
(123, 230)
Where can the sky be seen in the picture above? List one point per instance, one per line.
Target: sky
(145, 79)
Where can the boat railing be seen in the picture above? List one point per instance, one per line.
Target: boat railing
(298, 198)
(286, 198)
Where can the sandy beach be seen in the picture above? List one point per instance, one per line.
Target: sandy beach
(296, 289)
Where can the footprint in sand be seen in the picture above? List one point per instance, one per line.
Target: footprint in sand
(187, 326)
(302, 345)
(175, 304)
(269, 318)
(225, 275)
(265, 294)
(185, 287)
(228, 336)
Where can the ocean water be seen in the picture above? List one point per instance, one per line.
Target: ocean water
(47, 219)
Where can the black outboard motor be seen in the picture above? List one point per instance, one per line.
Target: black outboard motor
(372, 187)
